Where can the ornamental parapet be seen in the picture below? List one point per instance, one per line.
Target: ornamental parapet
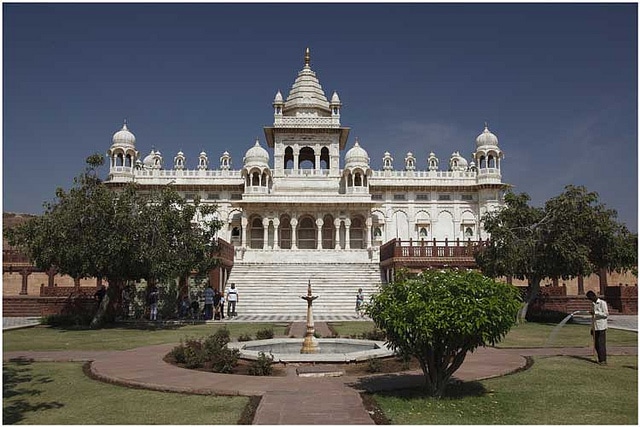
(306, 122)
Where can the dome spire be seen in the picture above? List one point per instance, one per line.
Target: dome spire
(307, 58)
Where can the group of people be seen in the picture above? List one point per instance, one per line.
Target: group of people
(214, 302)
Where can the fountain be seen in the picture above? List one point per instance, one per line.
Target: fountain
(309, 345)
(310, 349)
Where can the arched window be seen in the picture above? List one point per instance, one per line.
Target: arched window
(328, 233)
(357, 180)
(307, 159)
(255, 179)
(288, 158)
(119, 160)
(468, 232)
(324, 159)
(307, 233)
(492, 162)
(423, 232)
(285, 233)
(357, 234)
(257, 233)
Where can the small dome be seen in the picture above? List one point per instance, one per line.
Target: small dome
(256, 154)
(457, 162)
(335, 99)
(486, 138)
(123, 136)
(278, 99)
(149, 160)
(356, 155)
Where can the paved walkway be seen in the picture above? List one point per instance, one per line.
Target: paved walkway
(329, 400)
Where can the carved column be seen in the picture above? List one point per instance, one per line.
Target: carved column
(245, 222)
(25, 274)
(347, 234)
(367, 233)
(265, 233)
(276, 225)
(294, 233)
(319, 224)
(336, 224)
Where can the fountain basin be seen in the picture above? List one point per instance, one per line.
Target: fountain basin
(337, 350)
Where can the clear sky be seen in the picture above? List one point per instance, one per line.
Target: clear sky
(557, 84)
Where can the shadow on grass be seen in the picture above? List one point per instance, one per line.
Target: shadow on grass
(138, 326)
(411, 385)
(16, 392)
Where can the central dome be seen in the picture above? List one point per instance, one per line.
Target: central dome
(306, 92)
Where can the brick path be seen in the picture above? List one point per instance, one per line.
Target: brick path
(331, 400)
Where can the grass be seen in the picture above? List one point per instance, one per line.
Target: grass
(60, 393)
(525, 335)
(556, 390)
(119, 338)
(570, 335)
(348, 329)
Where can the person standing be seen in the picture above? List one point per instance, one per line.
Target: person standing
(153, 303)
(216, 304)
(599, 315)
(208, 303)
(359, 302)
(232, 300)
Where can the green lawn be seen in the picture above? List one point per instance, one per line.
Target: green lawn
(556, 390)
(119, 338)
(525, 335)
(60, 393)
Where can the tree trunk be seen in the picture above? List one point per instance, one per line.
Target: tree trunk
(108, 306)
(534, 290)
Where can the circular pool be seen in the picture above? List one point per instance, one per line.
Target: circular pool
(339, 350)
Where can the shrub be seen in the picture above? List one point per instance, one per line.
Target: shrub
(263, 366)
(374, 365)
(223, 360)
(317, 334)
(71, 320)
(264, 334)
(194, 356)
(244, 337)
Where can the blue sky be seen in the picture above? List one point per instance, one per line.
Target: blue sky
(556, 82)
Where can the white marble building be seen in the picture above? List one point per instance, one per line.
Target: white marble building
(302, 197)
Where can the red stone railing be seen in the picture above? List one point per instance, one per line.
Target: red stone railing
(398, 249)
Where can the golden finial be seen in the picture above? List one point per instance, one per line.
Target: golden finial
(307, 58)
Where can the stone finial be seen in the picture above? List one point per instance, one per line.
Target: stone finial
(307, 58)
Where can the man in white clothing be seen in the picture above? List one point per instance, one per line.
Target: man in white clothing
(599, 315)
(232, 299)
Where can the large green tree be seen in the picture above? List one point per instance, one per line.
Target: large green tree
(573, 234)
(93, 231)
(440, 316)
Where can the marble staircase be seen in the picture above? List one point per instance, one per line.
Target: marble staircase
(276, 288)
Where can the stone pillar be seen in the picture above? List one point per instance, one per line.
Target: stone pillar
(294, 233)
(296, 159)
(347, 234)
(319, 224)
(336, 224)
(245, 222)
(51, 274)
(317, 165)
(265, 234)
(276, 225)
(367, 233)
(25, 282)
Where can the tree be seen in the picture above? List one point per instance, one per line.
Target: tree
(92, 231)
(574, 234)
(440, 316)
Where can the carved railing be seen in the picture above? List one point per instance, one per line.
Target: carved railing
(398, 249)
